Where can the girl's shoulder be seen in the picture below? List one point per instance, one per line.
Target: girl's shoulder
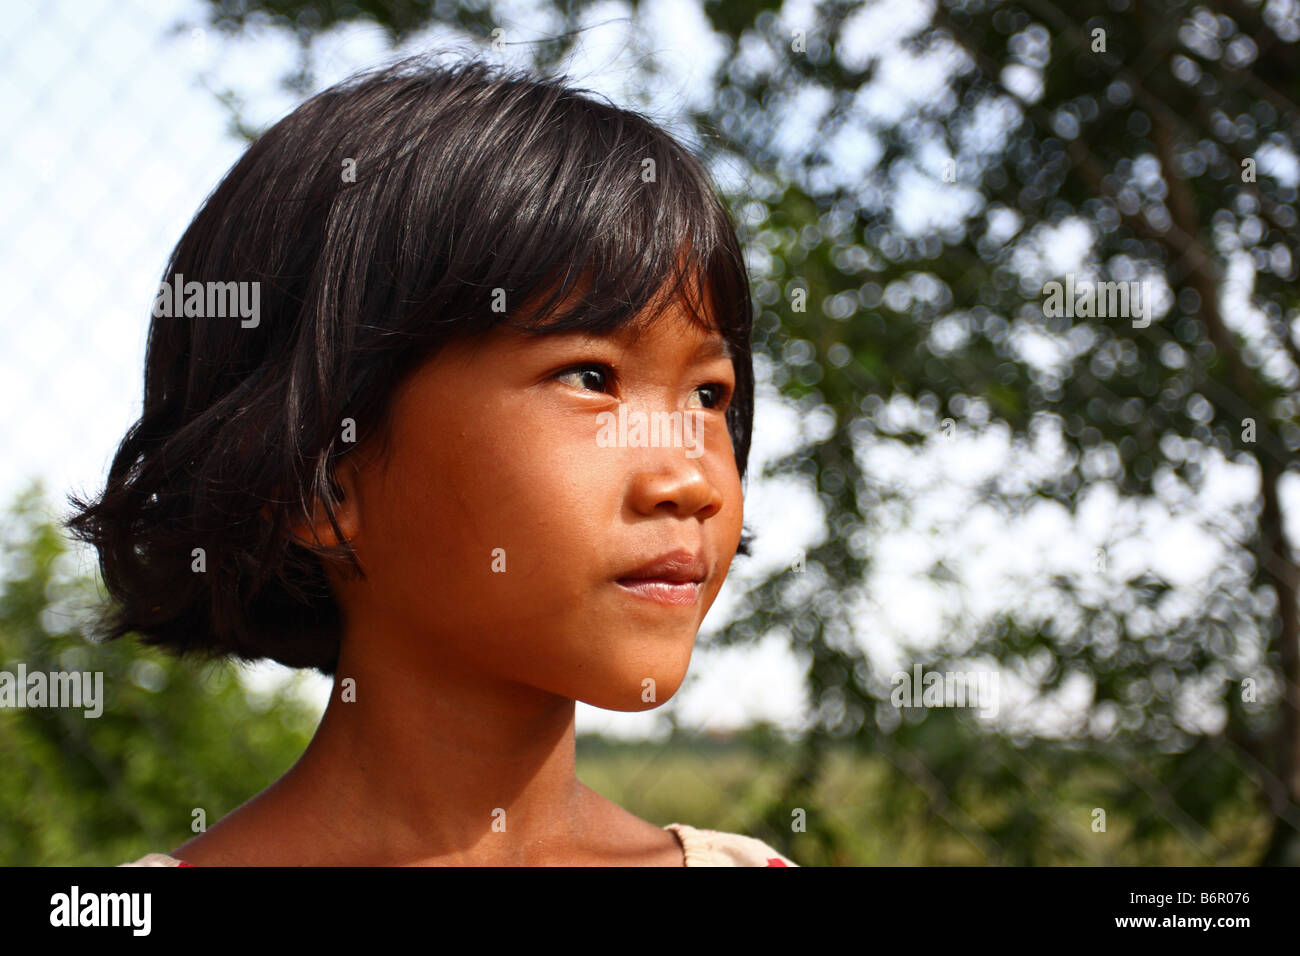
(718, 848)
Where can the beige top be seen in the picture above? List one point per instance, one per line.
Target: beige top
(703, 848)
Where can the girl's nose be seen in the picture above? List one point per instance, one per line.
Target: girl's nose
(668, 478)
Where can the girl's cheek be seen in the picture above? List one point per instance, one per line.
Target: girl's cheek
(720, 458)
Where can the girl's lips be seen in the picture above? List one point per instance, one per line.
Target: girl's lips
(676, 593)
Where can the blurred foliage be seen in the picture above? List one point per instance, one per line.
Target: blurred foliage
(1144, 141)
(172, 737)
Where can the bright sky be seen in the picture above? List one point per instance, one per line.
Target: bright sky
(113, 140)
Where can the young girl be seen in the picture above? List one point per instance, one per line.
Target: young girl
(397, 390)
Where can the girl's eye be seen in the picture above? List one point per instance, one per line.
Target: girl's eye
(584, 371)
(718, 392)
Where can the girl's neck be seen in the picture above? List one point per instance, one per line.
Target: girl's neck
(412, 768)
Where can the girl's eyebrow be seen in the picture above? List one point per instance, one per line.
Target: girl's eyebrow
(715, 345)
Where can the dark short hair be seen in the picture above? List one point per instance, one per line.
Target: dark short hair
(467, 178)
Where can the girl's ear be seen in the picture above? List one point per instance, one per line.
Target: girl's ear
(346, 513)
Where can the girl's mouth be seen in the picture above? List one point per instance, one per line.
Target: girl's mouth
(675, 593)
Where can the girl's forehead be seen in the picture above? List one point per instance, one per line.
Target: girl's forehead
(549, 317)
(670, 329)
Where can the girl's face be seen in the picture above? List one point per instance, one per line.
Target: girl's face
(496, 532)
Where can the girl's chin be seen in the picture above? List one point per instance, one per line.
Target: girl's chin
(631, 693)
